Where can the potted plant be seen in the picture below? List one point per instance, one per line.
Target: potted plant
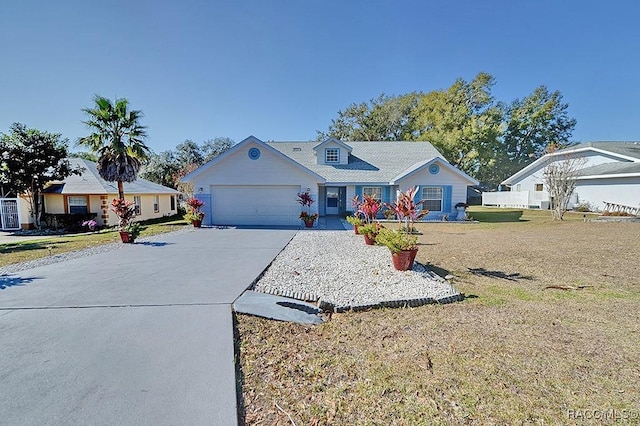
(133, 229)
(194, 216)
(125, 210)
(401, 242)
(355, 219)
(308, 219)
(306, 200)
(369, 208)
(370, 232)
(461, 208)
(403, 247)
(356, 222)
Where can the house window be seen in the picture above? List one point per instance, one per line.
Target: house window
(156, 204)
(332, 155)
(373, 191)
(539, 187)
(77, 204)
(432, 197)
(136, 203)
(173, 202)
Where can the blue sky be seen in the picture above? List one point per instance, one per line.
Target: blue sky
(280, 70)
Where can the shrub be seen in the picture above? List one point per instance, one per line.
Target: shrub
(624, 214)
(67, 221)
(584, 207)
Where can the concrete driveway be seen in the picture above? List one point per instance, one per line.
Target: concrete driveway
(142, 334)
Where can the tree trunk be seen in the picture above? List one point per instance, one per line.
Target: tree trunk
(120, 190)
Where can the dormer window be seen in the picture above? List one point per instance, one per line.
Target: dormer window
(332, 155)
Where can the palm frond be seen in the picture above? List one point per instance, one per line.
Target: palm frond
(117, 139)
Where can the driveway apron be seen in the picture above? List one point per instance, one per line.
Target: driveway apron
(142, 334)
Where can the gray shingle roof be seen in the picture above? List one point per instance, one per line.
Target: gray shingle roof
(90, 182)
(629, 149)
(369, 161)
(611, 169)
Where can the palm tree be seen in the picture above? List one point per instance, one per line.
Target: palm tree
(117, 139)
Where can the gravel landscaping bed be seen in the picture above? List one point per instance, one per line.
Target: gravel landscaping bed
(336, 267)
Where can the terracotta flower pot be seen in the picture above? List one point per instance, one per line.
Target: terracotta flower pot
(197, 223)
(126, 237)
(369, 241)
(356, 230)
(403, 260)
(308, 223)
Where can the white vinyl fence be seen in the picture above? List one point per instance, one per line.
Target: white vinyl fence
(516, 199)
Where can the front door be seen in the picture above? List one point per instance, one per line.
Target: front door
(332, 200)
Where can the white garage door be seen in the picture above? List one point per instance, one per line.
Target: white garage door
(255, 205)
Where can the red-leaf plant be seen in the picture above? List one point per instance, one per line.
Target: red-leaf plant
(306, 200)
(407, 209)
(194, 205)
(369, 207)
(125, 210)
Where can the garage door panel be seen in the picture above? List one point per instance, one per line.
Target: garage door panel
(255, 205)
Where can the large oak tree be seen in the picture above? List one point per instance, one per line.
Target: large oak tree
(488, 139)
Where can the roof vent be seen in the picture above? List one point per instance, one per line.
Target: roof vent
(297, 149)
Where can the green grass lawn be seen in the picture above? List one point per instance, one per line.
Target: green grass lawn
(32, 249)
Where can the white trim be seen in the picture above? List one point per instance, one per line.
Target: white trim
(564, 152)
(610, 153)
(334, 140)
(617, 175)
(415, 168)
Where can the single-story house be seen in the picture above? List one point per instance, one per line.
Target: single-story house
(608, 172)
(89, 193)
(256, 182)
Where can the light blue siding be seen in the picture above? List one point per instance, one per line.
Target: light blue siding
(206, 209)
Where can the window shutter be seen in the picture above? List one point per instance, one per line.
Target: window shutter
(447, 191)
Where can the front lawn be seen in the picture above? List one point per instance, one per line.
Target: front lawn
(32, 249)
(513, 352)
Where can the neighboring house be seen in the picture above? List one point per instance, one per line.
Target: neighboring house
(256, 182)
(610, 172)
(89, 193)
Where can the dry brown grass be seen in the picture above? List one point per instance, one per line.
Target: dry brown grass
(512, 353)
